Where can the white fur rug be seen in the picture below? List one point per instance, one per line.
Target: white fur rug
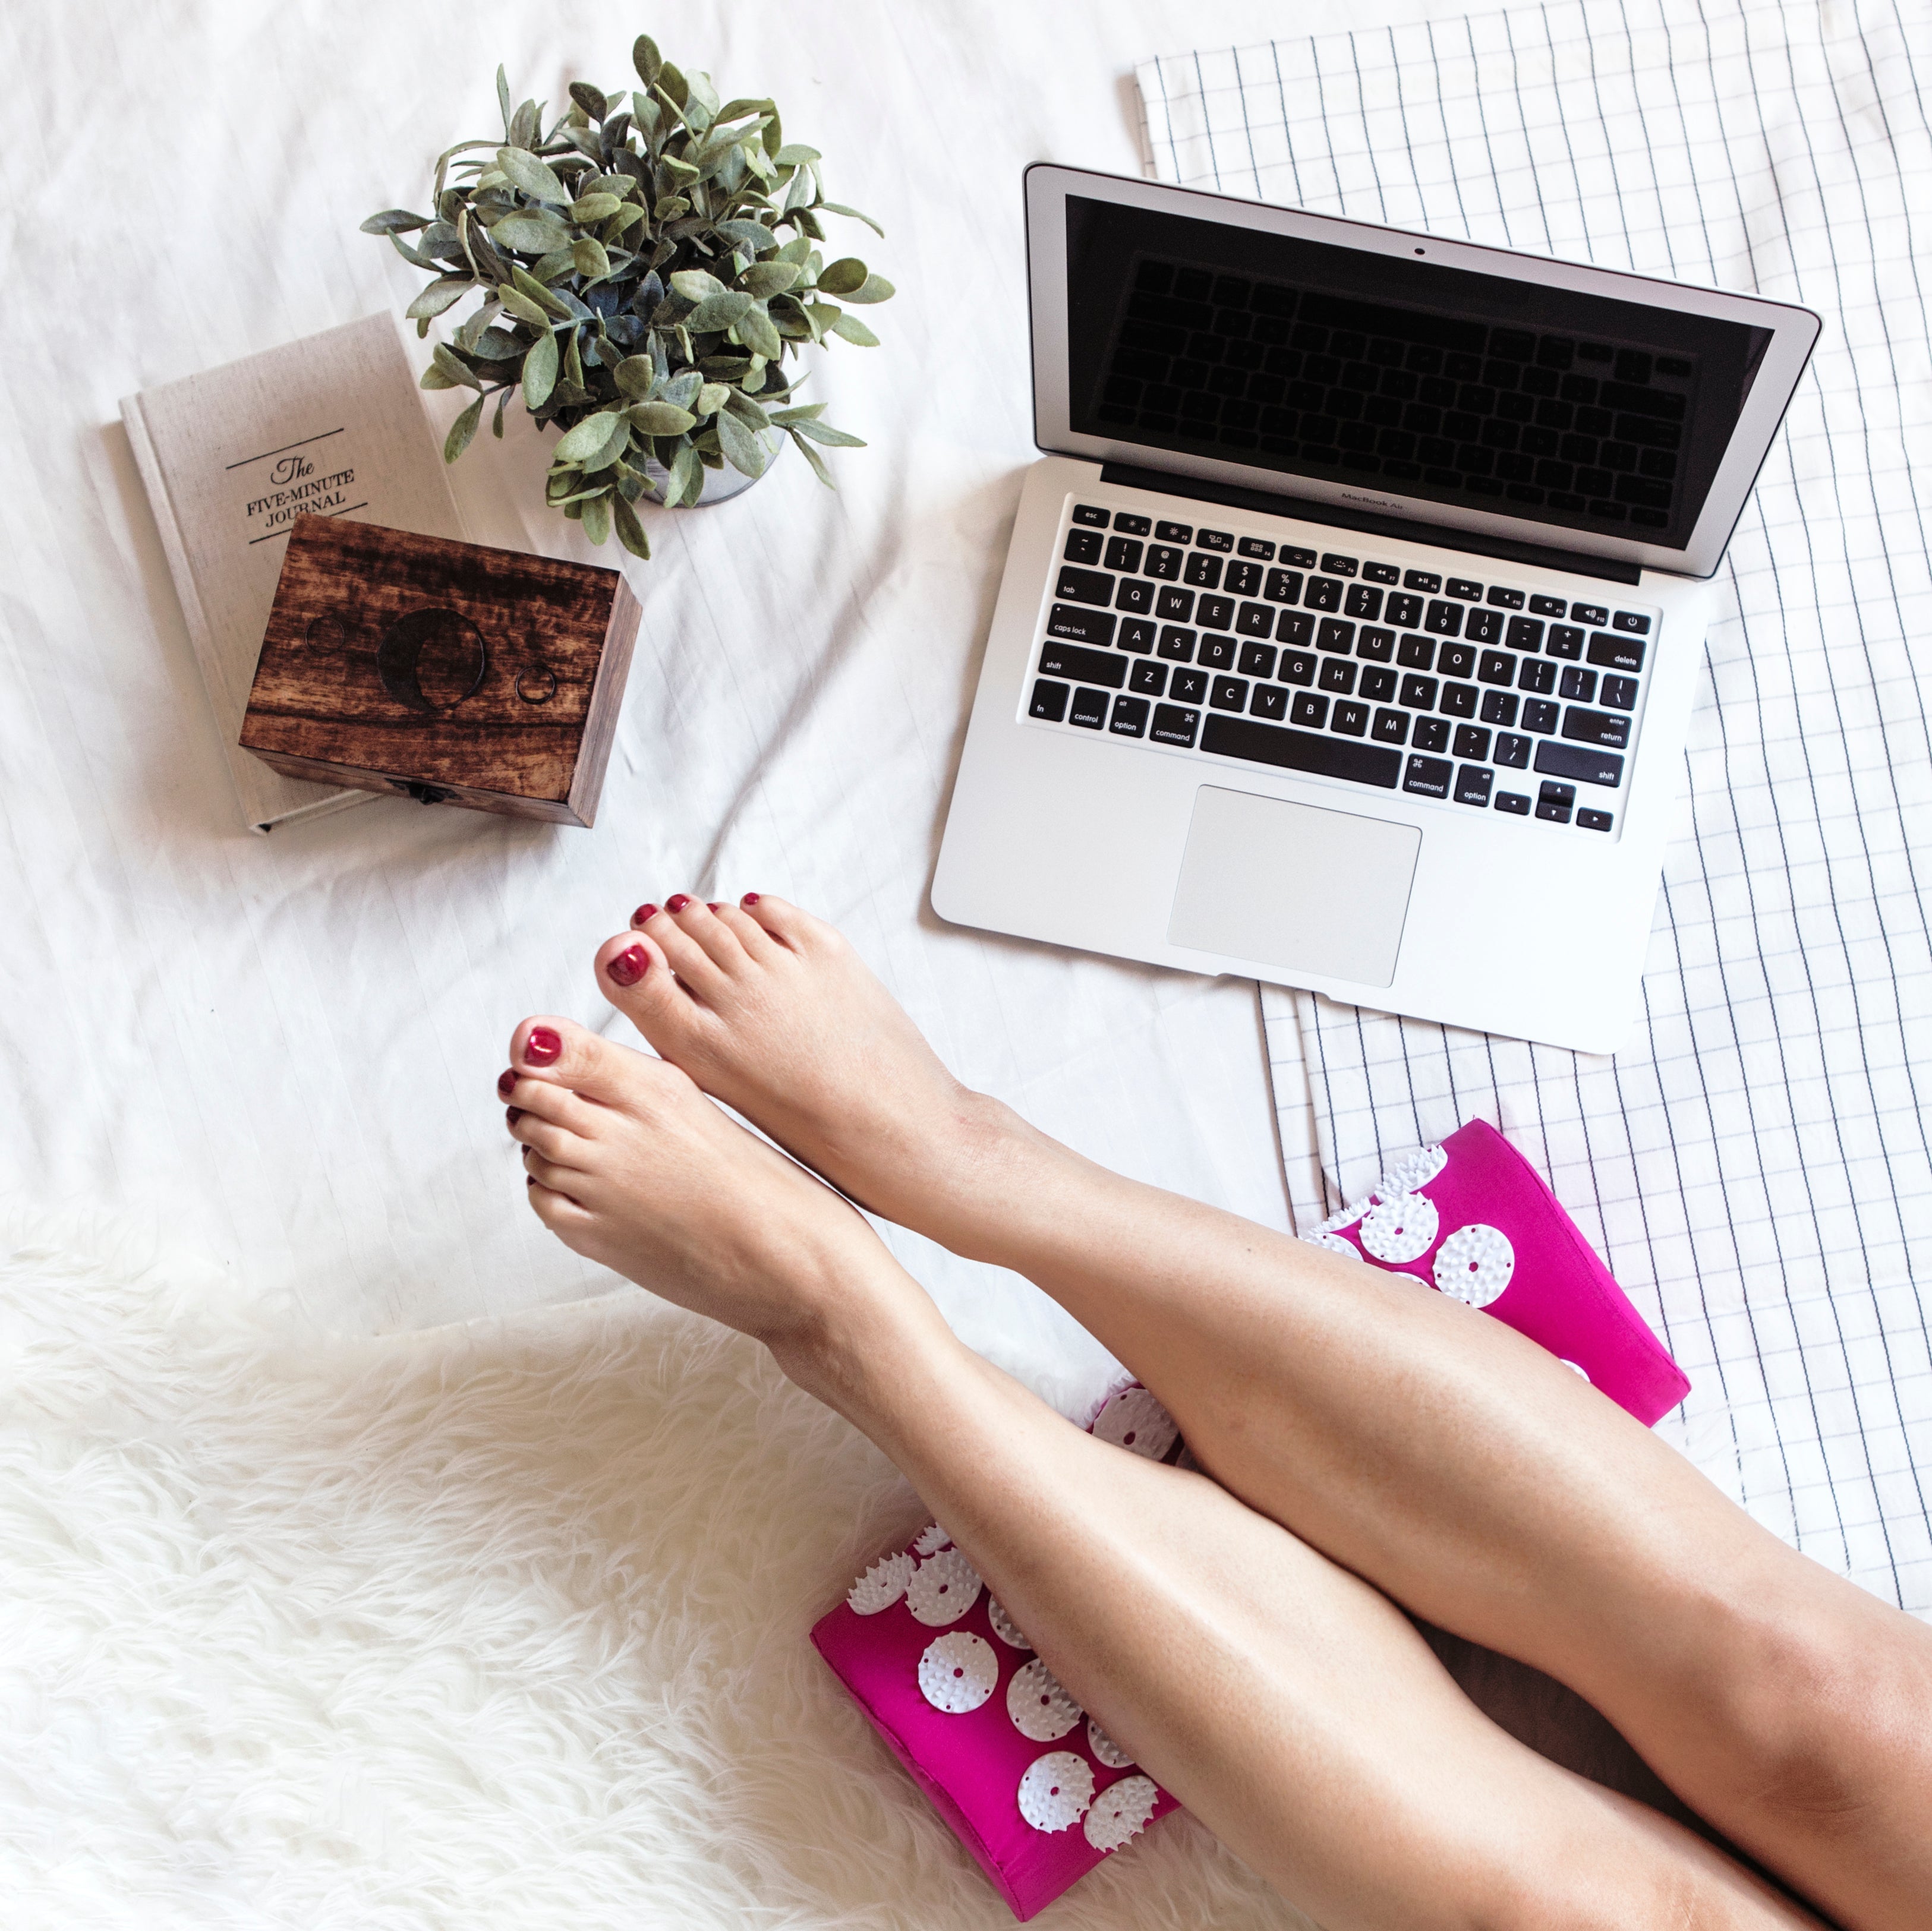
(495, 1626)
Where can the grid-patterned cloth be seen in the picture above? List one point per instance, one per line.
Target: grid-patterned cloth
(1755, 1165)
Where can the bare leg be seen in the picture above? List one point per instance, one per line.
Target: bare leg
(1289, 1705)
(1449, 1461)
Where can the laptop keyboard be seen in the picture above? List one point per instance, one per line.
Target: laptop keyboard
(1337, 663)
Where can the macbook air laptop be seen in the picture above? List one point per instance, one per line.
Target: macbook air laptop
(1349, 631)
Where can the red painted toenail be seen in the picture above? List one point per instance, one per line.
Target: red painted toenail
(643, 913)
(506, 1081)
(629, 966)
(677, 902)
(714, 908)
(749, 899)
(513, 1114)
(543, 1045)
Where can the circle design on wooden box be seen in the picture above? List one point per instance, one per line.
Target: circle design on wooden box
(1474, 1263)
(536, 687)
(324, 633)
(1039, 1707)
(1399, 1228)
(1121, 1812)
(958, 1672)
(943, 1589)
(432, 659)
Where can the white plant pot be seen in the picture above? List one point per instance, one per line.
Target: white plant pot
(720, 485)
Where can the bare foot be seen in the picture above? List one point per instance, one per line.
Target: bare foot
(770, 1010)
(629, 1164)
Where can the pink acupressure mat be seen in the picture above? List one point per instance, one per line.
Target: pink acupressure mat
(1037, 1793)
(1473, 1219)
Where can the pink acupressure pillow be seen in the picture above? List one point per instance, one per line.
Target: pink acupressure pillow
(1037, 1793)
(1473, 1218)
(1034, 1789)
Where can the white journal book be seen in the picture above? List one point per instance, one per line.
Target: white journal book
(333, 424)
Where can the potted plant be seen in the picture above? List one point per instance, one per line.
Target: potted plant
(648, 263)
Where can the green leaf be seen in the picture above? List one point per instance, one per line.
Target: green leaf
(823, 432)
(756, 332)
(793, 156)
(503, 99)
(595, 207)
(496, 345)
(839, 208)
(646, 58)
(530, 233)
(455, 369)
(687, 476)
(461, 431)
(737, 110)
(795, 249)
(816, 461)
(660, 419)
(573, 362)
(766, 279)
(438, 296)
(521, 278)
(742, 449)
(695, 284)
(497, 421)
(681, 390)
(523, 126)
(874, 288)
(534, 177)
(520, 305)
(841, 276)
(854, 331)
(711, 396)
(395, 221)
(591, 260)
(540, 371)
(807, 413)
(716, 312)
(630, 531)
(433, 377)
(634, 375)
(701, 99)
(672, 85)
(591, 100)
(750, 413)
(553, 267)
(680, 171)
(590, 442)
(754, 237)
(597, 518)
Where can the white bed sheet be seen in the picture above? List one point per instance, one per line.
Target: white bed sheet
(280, 1051)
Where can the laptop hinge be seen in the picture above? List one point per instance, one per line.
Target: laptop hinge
(1233, 496)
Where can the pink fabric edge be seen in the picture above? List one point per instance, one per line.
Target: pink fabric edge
(936, 1793)
(1662, 1383)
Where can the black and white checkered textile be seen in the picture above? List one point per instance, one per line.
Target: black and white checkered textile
(1755, 1166)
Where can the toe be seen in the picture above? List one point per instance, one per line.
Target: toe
(783, 921)
(558, 1212)
(755, 943)
(557, 1144)
(634, 973)
(559, 1052)
(680, 947)
(703, 926)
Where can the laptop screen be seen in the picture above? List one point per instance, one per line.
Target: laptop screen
(1515, 397)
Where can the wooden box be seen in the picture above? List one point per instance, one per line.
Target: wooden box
(454, 674)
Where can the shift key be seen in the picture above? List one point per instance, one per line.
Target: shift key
(1085, 666)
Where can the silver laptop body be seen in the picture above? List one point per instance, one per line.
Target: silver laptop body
(1349, 632)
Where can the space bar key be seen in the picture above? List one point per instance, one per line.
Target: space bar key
(1303, 750)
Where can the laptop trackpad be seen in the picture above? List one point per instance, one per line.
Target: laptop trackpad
(1295, 886)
